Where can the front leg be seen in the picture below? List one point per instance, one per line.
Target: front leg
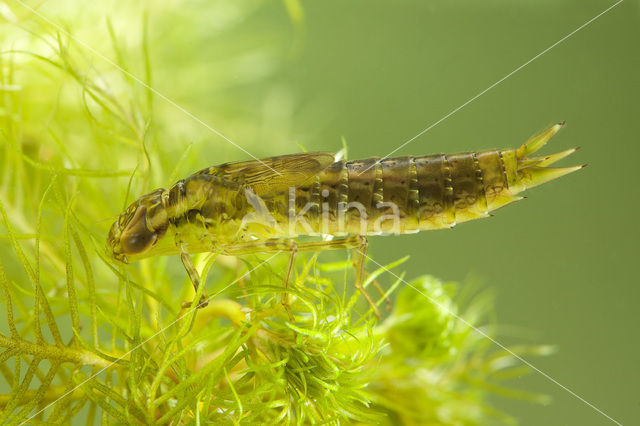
(195, 279)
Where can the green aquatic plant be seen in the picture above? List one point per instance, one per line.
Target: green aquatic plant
(86, 338)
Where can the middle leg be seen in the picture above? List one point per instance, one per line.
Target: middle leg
(358, 243)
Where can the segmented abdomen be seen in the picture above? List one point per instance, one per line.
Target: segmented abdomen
(401, 195)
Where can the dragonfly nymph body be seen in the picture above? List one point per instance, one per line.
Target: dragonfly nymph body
(263, 205)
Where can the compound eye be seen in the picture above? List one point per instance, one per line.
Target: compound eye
(137, 237)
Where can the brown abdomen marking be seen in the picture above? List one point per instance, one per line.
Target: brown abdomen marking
(468, 190)
(494, 177)
(435, 194)
(361, 180)
(396, 179)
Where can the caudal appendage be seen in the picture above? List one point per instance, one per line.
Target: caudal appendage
(524, 171)
(534, 171)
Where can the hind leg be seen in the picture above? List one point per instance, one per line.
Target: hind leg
(360, 255)
(357, 242)
(293, 247)
(269, 246)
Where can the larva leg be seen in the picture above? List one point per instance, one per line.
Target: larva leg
(195, 280)
(360, 254)
(381, 293)
(356, 242)
(274, 245)
(293, 247)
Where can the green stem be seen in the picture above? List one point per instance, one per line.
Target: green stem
(52, 352)
(53, 394)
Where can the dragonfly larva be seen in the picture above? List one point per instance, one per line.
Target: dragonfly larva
(262, 206)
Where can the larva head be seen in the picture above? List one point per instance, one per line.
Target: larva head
(139, 229)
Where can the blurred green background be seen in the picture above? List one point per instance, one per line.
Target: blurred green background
(563, 264)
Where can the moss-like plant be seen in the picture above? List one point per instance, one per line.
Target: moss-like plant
(86, 338)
